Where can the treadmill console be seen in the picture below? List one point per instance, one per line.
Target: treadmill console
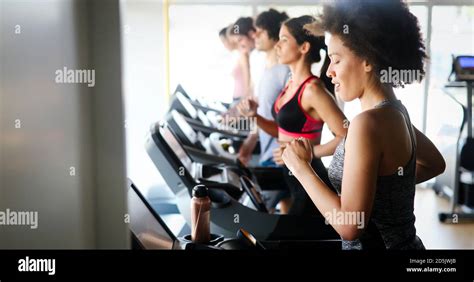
(463, 68)
(177, 148)
(187, 105)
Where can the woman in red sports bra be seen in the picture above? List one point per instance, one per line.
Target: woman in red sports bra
(302, 108)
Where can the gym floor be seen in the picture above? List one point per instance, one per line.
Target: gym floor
(433, 233)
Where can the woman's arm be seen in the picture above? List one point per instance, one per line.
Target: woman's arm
(429, 161)
(361, 164)
(246, 149)
(269, 126)
(319, 101)
(248, 108)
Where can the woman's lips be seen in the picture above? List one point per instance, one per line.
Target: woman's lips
(337, 86)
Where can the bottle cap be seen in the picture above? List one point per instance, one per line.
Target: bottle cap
(200, 191)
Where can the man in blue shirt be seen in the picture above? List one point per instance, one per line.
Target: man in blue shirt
(271, 83)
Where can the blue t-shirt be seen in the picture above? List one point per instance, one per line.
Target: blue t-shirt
(272, 82)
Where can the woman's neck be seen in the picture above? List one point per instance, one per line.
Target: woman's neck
(300, 71)
(375, 94)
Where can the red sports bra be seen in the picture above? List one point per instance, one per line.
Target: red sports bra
(292, 119)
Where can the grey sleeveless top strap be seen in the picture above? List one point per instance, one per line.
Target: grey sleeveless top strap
(392, 213)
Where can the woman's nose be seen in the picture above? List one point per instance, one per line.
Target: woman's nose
(330, 72)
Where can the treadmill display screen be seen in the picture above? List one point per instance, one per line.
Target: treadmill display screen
(466, 62)
(178, 149)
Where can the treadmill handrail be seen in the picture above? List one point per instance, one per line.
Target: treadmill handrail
(212, 159)
(197, 125)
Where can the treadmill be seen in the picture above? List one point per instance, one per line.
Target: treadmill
(148, 229)
(150, 232)
(457, 183)
(205, 106)
(234, 192)
(210, 151)
(206, 123)
(216, 148)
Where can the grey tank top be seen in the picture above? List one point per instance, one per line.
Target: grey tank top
(392, 220)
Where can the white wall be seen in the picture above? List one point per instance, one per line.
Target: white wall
(62, 125)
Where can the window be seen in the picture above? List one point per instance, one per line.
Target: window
(294, 11)
(455, 38)
(198, 59)
(412, 96)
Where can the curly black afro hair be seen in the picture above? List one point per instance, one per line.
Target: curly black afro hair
(383, 32)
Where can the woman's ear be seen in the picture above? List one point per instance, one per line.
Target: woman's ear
(304, 48)
(367, 66)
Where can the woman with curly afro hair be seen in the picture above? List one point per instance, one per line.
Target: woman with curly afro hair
(383, 156)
